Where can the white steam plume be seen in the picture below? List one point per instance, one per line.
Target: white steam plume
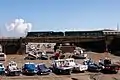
(19, 26)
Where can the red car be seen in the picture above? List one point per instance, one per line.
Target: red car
(108, 67)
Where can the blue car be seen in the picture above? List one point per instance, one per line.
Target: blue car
(42, 69)
(29, 68)
(92, 66)
(2, 69)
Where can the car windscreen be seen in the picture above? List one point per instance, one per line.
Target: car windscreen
(12, 64)
(42, 66)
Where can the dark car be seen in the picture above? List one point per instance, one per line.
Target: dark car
(92, 66)
(108, 66)
(43, 69)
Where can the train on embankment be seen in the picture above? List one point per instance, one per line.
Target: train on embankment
(98, 40)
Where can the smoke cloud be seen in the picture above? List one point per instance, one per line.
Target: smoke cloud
(19, 26)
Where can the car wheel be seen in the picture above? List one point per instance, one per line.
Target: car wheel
(57, 71)
(51, 58)
(39, 58)
(16, 74)
(69, 72)
(116, 71)
(38, 73)
(3, 73)
(25, 59)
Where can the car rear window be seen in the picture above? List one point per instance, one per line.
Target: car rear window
(1, 55)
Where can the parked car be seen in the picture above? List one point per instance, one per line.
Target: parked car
(2, 56)
(2, 69)
(76, 66)
(12, 69)
(58, 67)
(43, 69)
(36, 56)
(43, 56)
(29, 68)
(79, 54)
(109, 67)
(31, 56)
(92, 66)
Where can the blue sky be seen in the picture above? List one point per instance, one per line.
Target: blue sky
(60, 15)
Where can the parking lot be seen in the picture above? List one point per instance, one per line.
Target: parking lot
(74, 76)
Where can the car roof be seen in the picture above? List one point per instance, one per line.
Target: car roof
(29, 63)
(70, 59)
(2, 53)
(64, 59)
